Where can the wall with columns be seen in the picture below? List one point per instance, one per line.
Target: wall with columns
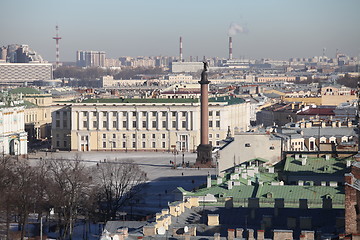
(141, 126)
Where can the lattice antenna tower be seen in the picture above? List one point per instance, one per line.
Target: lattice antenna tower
(57, 38)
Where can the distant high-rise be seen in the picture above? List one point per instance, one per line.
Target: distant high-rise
(90, 59)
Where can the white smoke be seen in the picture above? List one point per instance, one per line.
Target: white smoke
(236, 28)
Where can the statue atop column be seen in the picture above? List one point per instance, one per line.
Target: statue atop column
(204, 74)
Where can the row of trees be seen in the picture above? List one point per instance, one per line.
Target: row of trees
(67, 186)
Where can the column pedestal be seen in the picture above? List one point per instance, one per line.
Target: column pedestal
(204, 152)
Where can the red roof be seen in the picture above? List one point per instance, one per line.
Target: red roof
(318, 111)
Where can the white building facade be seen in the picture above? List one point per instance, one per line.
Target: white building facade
(13, 138)
(144, 124)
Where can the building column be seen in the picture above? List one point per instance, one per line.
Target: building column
(119, 120)
(158, 123)
(128, 127)
(178, 120)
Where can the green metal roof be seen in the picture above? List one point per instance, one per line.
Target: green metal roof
(141, 100)
(242, 191)
(227, 99)
(315, 166)
(25, 90)
(295, 192)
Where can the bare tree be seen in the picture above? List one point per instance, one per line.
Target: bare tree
(118, 182)
(7, 189)
(68, 191)
(24, 197)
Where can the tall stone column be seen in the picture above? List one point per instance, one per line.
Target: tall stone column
(204, 149)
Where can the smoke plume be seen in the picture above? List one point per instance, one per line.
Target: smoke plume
(236, 28)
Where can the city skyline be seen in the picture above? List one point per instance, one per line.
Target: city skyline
(276, 29)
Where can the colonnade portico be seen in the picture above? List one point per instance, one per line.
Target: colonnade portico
(134, 127)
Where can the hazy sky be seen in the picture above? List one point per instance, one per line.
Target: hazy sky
(277, 29)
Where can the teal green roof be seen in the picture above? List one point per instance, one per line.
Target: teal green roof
(295, 192)
(227, 99)
(242, 191)
(315, 166)
(25, 90)
(141, 100)
(28, 104)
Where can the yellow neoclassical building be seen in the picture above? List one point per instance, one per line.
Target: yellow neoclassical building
(144, 124)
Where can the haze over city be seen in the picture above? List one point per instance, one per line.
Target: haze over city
(265, 29)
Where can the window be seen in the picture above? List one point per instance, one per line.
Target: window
(217, 124)
(210, 113)
(184, 114)
(144, 114)
(104, 135)
(154, 144)
(154, 124)
(163, 145)
(104, 144)
(134, 124)
(183, 124)
(124, 144)
(163, 114)
(114, 144)
(65, 114)
(114, 124)
(82, 138)
(104, 114)
(144, 124)
(114, 114)
(134, 144)
(104, 124)
(124, 124)
(154, 114)
(57, 113)
(114, 135)
(124, 114)
(163, 135)
(210, 135)
(134, 135)
(173, 124)
(210, 124)
(217, 113)
(84, 124)
(217, 135)
(94, 114)
(247, 145)
(143, 144)
(65, 123)
(57, 123)
(143, 135)
(58, 143)
(217, 143)
(134, 114)
(163, 124)
(124, 135)
(311, 147)
(94, 124)
(153, 135)
(173, 114)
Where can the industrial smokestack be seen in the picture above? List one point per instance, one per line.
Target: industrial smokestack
(230, 48)
(181, 55)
